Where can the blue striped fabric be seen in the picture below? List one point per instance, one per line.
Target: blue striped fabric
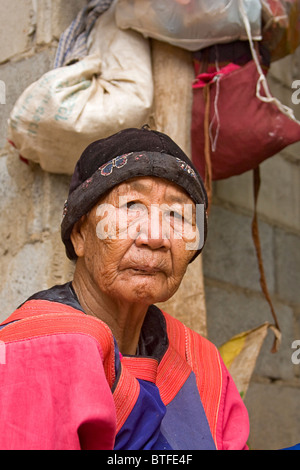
(73, 41)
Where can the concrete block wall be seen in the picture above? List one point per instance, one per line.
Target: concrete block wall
(32, 255)
(234, 299)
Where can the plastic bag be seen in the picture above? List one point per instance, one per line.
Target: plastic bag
(241, 352)
(190, 24)
(69, 107)
(281, 27)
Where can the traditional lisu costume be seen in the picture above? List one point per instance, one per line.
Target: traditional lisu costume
(64, 383)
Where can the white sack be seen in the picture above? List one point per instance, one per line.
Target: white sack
(69, 107)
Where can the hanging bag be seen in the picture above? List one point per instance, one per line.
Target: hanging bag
(69, 107)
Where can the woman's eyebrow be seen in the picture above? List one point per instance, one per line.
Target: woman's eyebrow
(146, 188)
(180, 199)
(139, 186)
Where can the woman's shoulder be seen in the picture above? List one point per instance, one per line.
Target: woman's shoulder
(46, 315)
(181, 334)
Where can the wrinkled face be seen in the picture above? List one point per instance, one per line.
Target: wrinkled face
(135, 242)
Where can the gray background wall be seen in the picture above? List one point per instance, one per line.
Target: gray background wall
(32, 255)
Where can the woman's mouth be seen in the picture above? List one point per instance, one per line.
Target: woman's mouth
(145, 269)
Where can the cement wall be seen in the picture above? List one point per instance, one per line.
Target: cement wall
(32, 255)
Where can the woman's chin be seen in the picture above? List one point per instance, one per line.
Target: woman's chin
(144, 292)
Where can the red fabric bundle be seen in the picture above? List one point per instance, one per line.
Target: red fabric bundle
(233, 130)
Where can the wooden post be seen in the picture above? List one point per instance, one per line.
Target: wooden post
(173, 76)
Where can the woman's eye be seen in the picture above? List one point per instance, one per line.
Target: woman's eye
(175, 215)
(179, 218)
(131, 204)
(136, 208)
(127, 205)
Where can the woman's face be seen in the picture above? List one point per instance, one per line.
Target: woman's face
(134, 242)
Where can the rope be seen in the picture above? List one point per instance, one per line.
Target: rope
(262, 81)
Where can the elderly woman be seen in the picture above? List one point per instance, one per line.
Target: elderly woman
(94, 364)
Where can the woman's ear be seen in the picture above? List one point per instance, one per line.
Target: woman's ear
(78, 236)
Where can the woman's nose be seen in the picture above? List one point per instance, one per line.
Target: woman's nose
(153, 230)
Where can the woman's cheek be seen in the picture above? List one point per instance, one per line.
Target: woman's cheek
(106, 227)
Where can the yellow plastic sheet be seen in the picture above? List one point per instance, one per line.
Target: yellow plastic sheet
(240, 354)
